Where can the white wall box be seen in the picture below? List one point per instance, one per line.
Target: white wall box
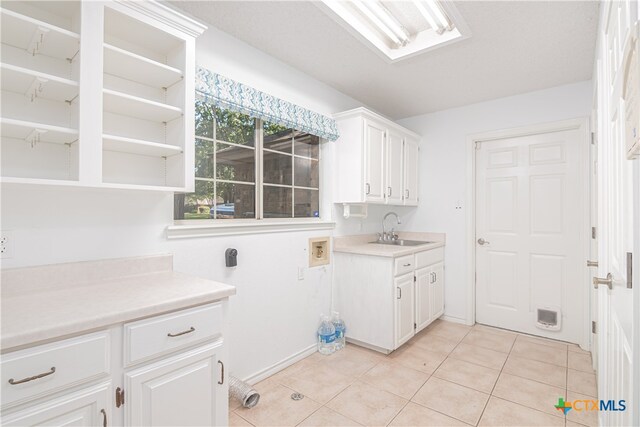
(98, 94)
(386, 301)
(376, 160)
(178, 380)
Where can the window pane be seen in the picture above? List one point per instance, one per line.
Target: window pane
(195, 205)
(277, 168)
(307, 203)
(305, 144)
(276, 202)
(234, 201)
(307, 174)
(235, 127)
(235, 163)
(204, 159)
(277, 137)
(204, 119)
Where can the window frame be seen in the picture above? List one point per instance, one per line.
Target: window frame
(181, 225)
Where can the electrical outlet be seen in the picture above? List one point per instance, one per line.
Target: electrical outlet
(6, 245)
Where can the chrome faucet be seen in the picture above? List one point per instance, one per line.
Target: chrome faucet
(390, 235)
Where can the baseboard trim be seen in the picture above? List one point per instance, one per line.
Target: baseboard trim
(455, 320)
(283, 364)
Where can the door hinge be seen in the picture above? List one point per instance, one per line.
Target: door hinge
(415, 325)
(478, 145)
(414, 279)
(119, 397)
(594, 329)
(593, 232)
(593, 138)
(629, 270)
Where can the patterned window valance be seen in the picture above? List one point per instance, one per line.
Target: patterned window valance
(226, 93)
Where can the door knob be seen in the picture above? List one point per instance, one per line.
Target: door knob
(599, 281)
(481, 241)
(592, 263)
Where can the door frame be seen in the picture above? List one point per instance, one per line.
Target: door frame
(583, 125)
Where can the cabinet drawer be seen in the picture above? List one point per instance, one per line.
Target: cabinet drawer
(404, 265)
(149, 338)
(429, 257)
(36, 371)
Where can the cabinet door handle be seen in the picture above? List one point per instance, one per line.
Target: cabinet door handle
(406, 193)
(104, 417)
(399, 293)
(188, 331)
(433, 277)
(35, 377)
(368, 187)
(389, 191)
(221, 372)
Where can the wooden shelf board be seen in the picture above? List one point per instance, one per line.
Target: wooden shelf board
(21, 129)
(20, 30)
(131, 66)
(21, 80)
(129, 105)
(138, 146)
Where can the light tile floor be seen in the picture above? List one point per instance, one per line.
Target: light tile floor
(447, 375)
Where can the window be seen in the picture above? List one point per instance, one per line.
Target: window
(246, 168)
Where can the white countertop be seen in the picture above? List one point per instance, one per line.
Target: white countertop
(34, 311)
(361, 244)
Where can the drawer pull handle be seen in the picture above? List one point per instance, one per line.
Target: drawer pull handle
(221, 373)
(35, 377)
(406, 265)
(104, 417)
(188, 331)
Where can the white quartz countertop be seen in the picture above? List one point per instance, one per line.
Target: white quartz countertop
(361, 244)
(54, 310)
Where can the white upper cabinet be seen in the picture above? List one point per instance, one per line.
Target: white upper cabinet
(376, 160)
(98, 94)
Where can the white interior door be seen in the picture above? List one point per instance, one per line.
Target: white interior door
(615, 222)
(530, 229)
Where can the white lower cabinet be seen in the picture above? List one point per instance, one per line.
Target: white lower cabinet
(404, 308)
(386, 301)
(88, 407)
(98, 379)
(181, 390)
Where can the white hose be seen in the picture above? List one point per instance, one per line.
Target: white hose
(243, 392)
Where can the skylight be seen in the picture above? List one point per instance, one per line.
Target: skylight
(399, 29)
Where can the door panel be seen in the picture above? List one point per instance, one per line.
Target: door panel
(437, 291)
(181, 390)
(404, 308)
(423, 298)
(410, 183)
(375, 144)
(394, 168)
(529, 201)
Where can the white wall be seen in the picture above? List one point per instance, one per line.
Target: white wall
(443, 166)
(273, 315)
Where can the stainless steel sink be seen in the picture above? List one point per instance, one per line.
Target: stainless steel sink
(402, 242)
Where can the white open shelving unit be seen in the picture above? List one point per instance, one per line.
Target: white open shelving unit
(98, 94)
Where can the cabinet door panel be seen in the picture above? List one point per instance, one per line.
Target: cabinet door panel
(410, 181)
(375, 143)
(81, 408)
(394, 169)
(404, 308)
(423, 298)
(437, 291)
(181, 390)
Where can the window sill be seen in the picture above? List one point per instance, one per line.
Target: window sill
(231, 228)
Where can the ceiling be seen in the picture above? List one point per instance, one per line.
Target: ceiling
(515, 47)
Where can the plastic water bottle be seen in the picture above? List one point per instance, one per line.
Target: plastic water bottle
(326, 336)
(341, 328)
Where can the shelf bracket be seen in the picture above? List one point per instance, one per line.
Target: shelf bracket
(34, 137)
(36, 88)
(37, 40)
